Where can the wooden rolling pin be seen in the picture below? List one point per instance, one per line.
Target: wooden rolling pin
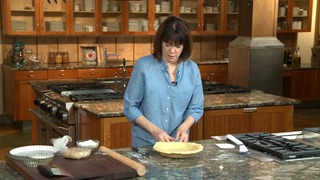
(141, 169)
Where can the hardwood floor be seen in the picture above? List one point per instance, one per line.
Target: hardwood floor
(11, 136)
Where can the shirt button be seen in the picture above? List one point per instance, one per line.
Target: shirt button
(166, 120)
(167, 109)
(168, 97)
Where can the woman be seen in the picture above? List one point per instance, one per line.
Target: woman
(164, 96)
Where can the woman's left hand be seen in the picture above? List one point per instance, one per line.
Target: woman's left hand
(182, 135)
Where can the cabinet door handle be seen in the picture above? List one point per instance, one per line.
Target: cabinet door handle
(250, 110)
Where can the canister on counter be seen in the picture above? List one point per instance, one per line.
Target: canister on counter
(58, 57)
(51, 57)
(65, 57)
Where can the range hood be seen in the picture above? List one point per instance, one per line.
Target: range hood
(256, 63)
(256, 55)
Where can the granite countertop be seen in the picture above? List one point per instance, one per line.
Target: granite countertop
(254, 98)
(129, 63)
(216, 163)
(303, 66)
(211, 163)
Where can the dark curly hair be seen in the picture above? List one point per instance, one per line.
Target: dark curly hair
(173, 30)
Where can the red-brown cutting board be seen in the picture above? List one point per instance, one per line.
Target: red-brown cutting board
(94, 166)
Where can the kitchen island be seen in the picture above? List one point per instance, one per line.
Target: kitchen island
(253, 111)
(211, 163)
(249, 111)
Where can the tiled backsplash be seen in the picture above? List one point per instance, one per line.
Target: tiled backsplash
(131, 48)
(205, 48)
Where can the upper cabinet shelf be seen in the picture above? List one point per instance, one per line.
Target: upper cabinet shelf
(137, 17)
(294, 16)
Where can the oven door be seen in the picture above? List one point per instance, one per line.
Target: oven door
(50, 127)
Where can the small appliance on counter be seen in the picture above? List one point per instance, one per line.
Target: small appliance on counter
(16, 54)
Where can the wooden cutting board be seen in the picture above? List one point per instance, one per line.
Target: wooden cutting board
(94, 166)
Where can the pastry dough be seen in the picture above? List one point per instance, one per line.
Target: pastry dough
(178, 149)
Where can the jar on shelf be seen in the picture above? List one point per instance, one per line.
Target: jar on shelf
(51, 57)
(58, 57)
(65, 57)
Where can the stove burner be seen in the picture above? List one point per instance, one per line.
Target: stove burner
(95, 97)
(277, 146)
(220, 88)
(75, 87)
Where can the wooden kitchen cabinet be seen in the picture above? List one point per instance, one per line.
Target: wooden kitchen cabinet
(63, 74)
(35, 17)
(101, 17)
(112, 71)
(18, 95)
(259, 119)
(92, 73)
(302, 84)
(115, 132)
(294, 16)
(214, 72)
(118, 17)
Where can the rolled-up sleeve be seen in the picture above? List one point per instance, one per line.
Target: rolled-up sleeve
(134, 94)
(195, 108)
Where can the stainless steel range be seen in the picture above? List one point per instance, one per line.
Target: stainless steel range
(210, 87)
(56, 115)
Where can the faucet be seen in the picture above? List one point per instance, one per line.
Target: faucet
(124, 69)
(116, 80)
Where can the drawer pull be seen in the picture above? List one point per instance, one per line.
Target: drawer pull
(250, 110)
(91, 73)
(62, 74)
(30, 75)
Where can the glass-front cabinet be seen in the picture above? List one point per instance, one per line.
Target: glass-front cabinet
(54, 17)
(112, 17)
(189, 10)
(84, 18)
(138, 17)
(138, 14)
(212, 16)
(294, 15)
(232, 16)
(162, 9)
(20, 17)
(96, 17)
(35, 17)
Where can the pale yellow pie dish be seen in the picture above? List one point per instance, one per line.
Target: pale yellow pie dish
(178, 149)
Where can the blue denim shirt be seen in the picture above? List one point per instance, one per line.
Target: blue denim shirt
(166, 104)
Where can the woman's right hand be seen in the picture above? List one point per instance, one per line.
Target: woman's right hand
(160, 135)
